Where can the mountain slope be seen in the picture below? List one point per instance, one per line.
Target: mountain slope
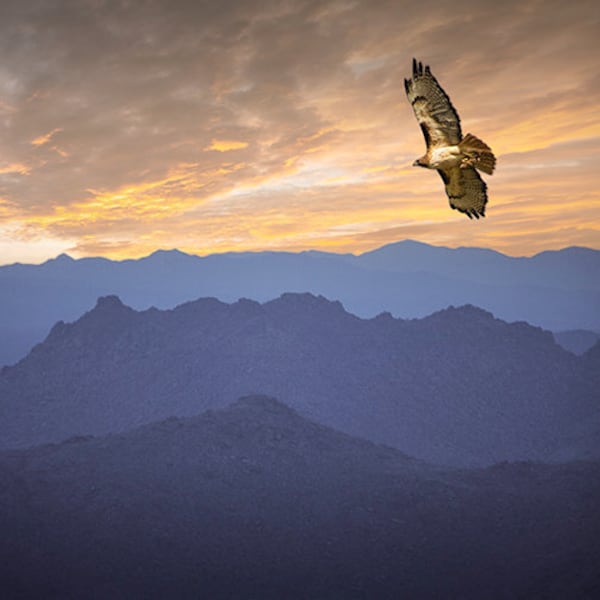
(458, 387)
(254, 501)
(577, 341)
(556, 290)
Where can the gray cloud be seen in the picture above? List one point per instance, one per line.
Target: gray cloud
(135, 93)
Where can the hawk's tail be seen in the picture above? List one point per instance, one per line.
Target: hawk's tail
(478, 153)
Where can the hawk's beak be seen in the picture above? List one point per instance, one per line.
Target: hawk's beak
(416, 164)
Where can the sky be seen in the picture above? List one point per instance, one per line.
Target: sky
(128, 126)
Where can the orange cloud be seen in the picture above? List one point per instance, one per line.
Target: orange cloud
(293, 131)
(227, 145)
(16, 168)
(44, 139)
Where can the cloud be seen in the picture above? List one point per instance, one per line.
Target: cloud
(227, 145)
(245, 124)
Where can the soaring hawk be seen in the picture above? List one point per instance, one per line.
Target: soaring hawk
(455, 158)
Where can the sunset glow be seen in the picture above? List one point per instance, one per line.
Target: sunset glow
(255, 125)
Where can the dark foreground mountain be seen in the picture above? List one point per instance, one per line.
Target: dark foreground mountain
(254, 501)
(556, 290)
(458, 387)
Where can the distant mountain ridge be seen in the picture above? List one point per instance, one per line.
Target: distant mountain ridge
(457, 387)
(558, 290)
(577, 341)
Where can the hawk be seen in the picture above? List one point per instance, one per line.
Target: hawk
(454, 157)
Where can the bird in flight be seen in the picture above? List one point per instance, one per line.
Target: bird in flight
(454, 157)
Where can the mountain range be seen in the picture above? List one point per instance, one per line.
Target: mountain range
(459, 387)
(419, 446)
(557, 290)
(254, 501)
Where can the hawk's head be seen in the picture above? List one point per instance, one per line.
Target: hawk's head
(421, 162)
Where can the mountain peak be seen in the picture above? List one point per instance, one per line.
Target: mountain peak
(465, 314)
(62, 258)
(467, 310)
(308, 300)
(109, 302)
(108, 309)
(166, 255)
(261, 403)
(109, 315)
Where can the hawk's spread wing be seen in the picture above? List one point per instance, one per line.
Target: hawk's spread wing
(437, 117)
(466, 191)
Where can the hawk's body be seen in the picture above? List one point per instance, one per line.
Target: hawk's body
(455, 158)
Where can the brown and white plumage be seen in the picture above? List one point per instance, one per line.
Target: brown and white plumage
(455, 158)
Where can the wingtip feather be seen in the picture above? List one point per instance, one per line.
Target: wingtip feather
(419, 69)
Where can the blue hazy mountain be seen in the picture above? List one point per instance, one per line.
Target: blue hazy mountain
(558, 290)
(457, 387)
(577, 341)
(255, 501)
